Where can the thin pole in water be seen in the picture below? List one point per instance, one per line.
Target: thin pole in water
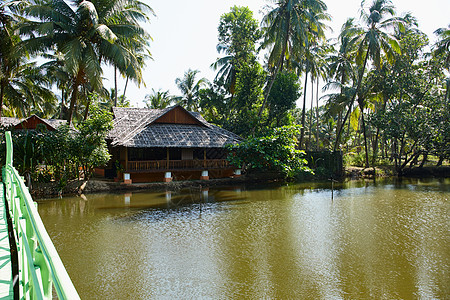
(332, 188)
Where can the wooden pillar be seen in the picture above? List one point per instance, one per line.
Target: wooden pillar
(204, 157)
(167, 158)
(126, 159)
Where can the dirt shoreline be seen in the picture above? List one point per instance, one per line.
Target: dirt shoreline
(49, 190)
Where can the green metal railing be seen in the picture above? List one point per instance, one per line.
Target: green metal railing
(40, 267)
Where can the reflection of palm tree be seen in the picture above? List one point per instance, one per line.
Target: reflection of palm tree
(190, 88)
(370, 41)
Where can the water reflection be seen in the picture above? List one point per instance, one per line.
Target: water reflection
(383, 239)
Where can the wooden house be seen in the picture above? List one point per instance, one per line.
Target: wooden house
(30, 123)
(164, 144)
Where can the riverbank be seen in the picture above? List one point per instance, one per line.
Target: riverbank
(44, 190)
(97, 185)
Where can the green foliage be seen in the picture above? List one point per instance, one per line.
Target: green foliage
(283, 95)
(238, 32)
(89, 142)
(234, 98)
(59, 155)
(190, 88)
(274, 152)
(248, 98)
(158, 99)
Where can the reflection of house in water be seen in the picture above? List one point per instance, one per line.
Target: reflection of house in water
(158, 144)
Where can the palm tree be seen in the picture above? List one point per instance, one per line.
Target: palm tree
(371, 40)
(158, 99)
(442, 46)
(227, 70)
(23, 86)
(341, 67)
(123, 18)
(312, 63)
(286, 29)
(84, 39)
(190, 88)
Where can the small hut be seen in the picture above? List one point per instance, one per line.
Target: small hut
(164, 144)
(30, 123)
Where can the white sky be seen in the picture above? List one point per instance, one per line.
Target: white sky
(185, 35)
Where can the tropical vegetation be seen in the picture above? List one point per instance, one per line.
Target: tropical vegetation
(385, 87)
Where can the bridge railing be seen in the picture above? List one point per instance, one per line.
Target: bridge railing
(40, 267)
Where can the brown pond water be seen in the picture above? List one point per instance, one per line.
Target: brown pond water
(383, 240)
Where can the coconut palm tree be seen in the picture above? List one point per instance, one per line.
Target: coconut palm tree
(227, 70)
(286, 28)
(313, 64)
(23, 86)
(158, 99)
(371, 40)
(342, 68)
(79, 32)
(190, 88)
(124, 19)
(442, 46)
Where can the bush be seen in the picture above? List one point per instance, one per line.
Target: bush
(275, 152)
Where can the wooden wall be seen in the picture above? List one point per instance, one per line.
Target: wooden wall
(177, 116)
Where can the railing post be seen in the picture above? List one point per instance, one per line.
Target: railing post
(45, 274)
(9, 149)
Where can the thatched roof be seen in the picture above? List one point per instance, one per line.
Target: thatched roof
(8, 122)
(143, 128)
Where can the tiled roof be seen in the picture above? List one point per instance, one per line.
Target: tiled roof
(134, 127)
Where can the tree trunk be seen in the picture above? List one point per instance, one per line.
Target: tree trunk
(61, 113)
(311, 112)
(361, 108)
(125, 90)
(73, 100)
(358, 86)
(375, 144)
(348, 126)
(2, 92)
(302, 131)
(317, 115)
(277, 69)
(86, 111)
(424, 159)
(115, 86)
(441, 160)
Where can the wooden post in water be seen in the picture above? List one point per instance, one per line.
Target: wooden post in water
(332, 189)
